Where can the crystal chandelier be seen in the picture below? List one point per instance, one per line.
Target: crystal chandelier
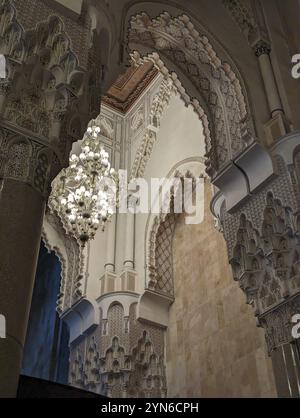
(84, 194)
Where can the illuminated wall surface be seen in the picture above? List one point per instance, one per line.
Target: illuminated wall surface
(46, 349)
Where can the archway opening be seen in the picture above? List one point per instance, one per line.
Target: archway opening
(46, 351)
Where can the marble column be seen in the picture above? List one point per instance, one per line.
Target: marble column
(286, 366)
(110, 246)
(262, 51)
(284, 348)
(24, 167)
(130, 238)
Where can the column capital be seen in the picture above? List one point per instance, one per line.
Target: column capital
(132, 203)
(262, 48)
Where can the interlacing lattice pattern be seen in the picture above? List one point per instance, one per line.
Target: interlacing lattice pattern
(163, 256)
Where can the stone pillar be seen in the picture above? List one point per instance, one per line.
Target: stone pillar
(110, 247)
(130, 232)
(283, 348)
(262, 51)
(24, 171)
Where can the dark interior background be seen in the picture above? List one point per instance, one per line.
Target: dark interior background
(46, 351)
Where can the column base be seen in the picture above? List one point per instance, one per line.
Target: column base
(276, 128)
(125, 282)
(286, 366)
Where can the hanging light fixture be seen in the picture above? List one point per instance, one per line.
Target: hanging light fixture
(84, 195)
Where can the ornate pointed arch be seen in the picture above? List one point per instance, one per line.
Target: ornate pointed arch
(159, 259)
(71, 258)
(221, 97)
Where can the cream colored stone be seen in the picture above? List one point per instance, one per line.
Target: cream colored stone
(214, 348)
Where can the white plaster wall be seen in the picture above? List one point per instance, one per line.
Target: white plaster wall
(97, 260)
(180, 138)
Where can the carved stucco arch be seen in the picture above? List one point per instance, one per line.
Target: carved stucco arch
(158, 107)
(71, 258)
(61, 255)
(221, 98)
(63, 262)
(164, 225)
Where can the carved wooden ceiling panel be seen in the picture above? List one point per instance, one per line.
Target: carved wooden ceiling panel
(129, 86)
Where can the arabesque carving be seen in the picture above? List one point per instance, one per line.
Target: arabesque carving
(222, 97)
(45, 88)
